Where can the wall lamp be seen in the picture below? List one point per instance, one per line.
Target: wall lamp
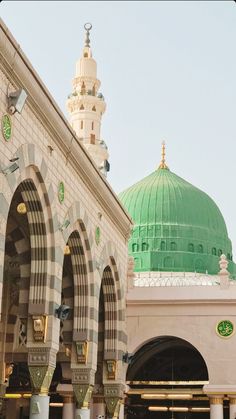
(11, 168)
(16, 101)
(127, 357)
(64, 225)
(62, 312)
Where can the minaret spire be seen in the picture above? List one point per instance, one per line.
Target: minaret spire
(86, 105)
(163, 156)
(88, 28)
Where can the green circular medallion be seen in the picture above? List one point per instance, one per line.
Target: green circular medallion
(6, 127)
(61, 192)
(225, 328)
(97, 235)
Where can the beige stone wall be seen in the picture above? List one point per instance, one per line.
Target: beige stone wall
(190, 313)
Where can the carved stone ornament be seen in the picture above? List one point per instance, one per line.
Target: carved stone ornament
(82, 352)
(83, 393)
(111, 369)
(113, 406)
(8, 371)
(41, 378)
(40, 325)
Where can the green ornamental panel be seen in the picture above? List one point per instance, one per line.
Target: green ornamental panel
(6, 127)
(97, 235)
(61, 192)
(225, 328)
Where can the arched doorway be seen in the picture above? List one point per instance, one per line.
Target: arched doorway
(165, 378)
(25, 259)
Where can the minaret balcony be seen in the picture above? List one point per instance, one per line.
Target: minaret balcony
(75, 101)
(89, 82)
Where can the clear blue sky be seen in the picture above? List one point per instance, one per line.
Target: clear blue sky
(168, 71)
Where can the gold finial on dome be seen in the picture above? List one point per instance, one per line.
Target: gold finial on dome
(163, 157)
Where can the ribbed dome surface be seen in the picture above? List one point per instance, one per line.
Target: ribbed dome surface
(177, 227)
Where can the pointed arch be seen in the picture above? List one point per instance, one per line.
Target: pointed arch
(31, 179)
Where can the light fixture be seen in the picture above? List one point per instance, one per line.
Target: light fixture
(180, 396)
(62, 312)
(64, 225)
(11, 168)
(153, 396)
(67, 250)
(199, 409)
(12, 396)
(21, 208)
(16, 101)
(158, 408)
(127, 357)
(27, 395)
(56, 404)
(178, 409)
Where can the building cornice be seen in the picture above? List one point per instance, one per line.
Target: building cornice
(22, 74)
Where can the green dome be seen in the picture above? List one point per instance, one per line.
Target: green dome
(177, 227)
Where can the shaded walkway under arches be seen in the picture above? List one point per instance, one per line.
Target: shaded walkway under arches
(164, 375)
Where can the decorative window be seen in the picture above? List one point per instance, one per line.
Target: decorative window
(173, 246)
(163, 245)
(220, 252)
(134, 247)
(213, 250)
(191, 247)
(200, 248)
(94, 108)
(92, 125)
(92, 139)
(81, 124)
(144, 247)
(228, 256)
(93, 91)
(83, 89)
(85, 55)
(81, 108)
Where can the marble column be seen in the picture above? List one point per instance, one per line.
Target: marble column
(99, 408)
(82, 413)
(232, 407)
(39, 406)
(122, 411)
(216, 407)
(83, 393)
(68, 411)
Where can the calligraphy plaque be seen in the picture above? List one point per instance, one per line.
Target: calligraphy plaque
(225, 328)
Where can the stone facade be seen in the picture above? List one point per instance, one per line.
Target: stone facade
(68, 245)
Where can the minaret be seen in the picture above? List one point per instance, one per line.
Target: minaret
(86, 106)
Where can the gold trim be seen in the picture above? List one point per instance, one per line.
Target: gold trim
(163, 165)
(40, 326)
(82, 348)
(21, 208)
(167, 383)
(216, 400)
(67, 250)
(232, 400)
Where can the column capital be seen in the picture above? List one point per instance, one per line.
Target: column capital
(232, 398)
(216, 399)
(83, 393)
(41, 377)
(83, 376)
